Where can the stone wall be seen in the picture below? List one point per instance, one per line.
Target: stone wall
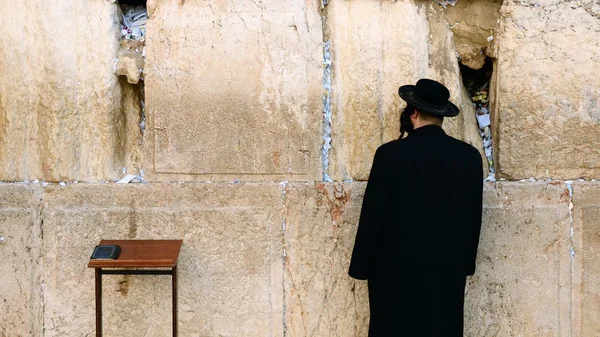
(262, 258)
(261, 122)
(60, 102)
(547, 110)
(234, 90)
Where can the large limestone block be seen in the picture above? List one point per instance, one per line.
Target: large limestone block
(320, 298)
(586, 266)
(20, 261)
(548, 99)
(376, 47)
(230, 267)
(522, 283)
(60, 101)
(234, 90)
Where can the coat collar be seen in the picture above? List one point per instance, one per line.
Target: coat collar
(427, 131)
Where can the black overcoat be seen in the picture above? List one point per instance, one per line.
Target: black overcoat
(418, 234)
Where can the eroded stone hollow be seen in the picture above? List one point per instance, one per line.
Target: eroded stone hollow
(130, 68)
(474, 24)
(477, 84)
(133, 36)
(476, 80)
(462, 48)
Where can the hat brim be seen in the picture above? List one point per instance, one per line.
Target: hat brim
(407, 93)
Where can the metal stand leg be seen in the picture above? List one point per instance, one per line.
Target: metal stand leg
(98, 302)
(174, 285)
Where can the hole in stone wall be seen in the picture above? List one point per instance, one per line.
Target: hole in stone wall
(130, 69)
(477, 83)
(476, 80)
(474, 24)
(134, 17)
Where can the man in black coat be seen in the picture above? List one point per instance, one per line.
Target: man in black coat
(420, 222)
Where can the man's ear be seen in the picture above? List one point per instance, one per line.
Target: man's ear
(414, 115)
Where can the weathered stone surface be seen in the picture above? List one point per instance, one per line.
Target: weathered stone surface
(320, 298)
(234, 90)
(20, 265)
(521, 287)
(522, 283)
(376, 47)
(586, 266)
(473, 25)
(374, 53)
(130, 65)
(234, 282)
(131, 130)
(60, 102)
(230, 267)
(548, 101)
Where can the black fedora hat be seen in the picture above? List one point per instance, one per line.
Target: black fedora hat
(429, 96)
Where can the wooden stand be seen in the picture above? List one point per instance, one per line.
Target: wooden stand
(138, 254)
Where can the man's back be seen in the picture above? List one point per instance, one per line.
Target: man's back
(435, 183)
(424, 200)
(419, 230)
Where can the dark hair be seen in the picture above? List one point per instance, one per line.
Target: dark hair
(406, 125)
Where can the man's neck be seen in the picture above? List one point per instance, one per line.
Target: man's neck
(421, 123)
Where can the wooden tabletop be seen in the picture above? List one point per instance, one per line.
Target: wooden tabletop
(141, 254)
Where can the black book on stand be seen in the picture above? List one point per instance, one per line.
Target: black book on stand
(106, 252)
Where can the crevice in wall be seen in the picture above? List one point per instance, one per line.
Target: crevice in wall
(477, 83)
(327, 114)
(325, 152)
(473, 24)
(132, 49)
(132, 107)
(40, 220)
(129, 66)
(572, 231)
(283, 253)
